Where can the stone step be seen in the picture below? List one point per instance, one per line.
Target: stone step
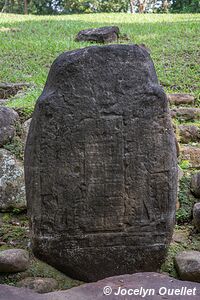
(10, 89)
(180, 99)
(192, 154)
(188, 133)
(186, 113)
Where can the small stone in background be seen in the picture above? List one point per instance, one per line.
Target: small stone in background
(196, 216)
(25, 128)
(187, 264)
(180, 173)
(124, 37)
(192, 154)
(99, 35)
(180, 236)
(39, 284)
(8, 120)
(8, 90)
(12, 186)
(178, 99)
(186, 113)
(195, 185)
(13, 260)
(189, 133)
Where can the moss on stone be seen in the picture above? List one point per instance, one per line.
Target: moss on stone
(186, 199)
(16, 147)
(38, 268)
(168, 266)
(41, 269)
(190, 240)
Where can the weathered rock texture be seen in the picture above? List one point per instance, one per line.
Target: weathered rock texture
(189, 133)
(8, 121)
(195, 184)
(179, 99)
(188, 265)
(14, 260)
(186, 113)
(12, 186)
(192, 154)
(39, 284)
(196, 216)
(25, 128)
(10, 89)
(100, 165)
(156, 286)
(99, 35)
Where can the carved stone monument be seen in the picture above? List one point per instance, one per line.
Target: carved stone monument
(100, 165)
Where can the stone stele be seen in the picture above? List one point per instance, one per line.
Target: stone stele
(100, 165)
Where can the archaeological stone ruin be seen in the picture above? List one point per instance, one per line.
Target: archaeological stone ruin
(101, 166)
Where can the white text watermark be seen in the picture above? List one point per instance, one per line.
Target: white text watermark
(144, 292)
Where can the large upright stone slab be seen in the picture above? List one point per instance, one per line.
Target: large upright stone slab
(100, 165)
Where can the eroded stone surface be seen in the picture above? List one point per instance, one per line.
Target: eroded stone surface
(189, 133)
(196, 216)
(10, 89)
(161, 285)
(192, 154)
(99, 35)
(13, 260)
(195, 184)
(188, 265)
(100, 164)
(8, 120)
(186, 113)
(12, 185)
(39, 284)
(179, 99)
(25, 128)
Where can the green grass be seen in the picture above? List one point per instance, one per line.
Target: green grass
(29, 45)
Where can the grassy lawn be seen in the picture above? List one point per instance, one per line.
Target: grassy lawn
(29, 44)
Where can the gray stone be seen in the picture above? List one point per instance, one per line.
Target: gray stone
(157, 287)
(25, 128)
(8, 90)
(189, 133)
(179, 99)
(8, 120)
(186, 113)
(192, 154)
(195, 184)
(99, 35)
(180, 173)
(39, 284)
(3, 102)
(12, 186)
(188, 265)
(181, 236)
(13, 260)
(101, 166)
(196, 216)
(13, 293)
